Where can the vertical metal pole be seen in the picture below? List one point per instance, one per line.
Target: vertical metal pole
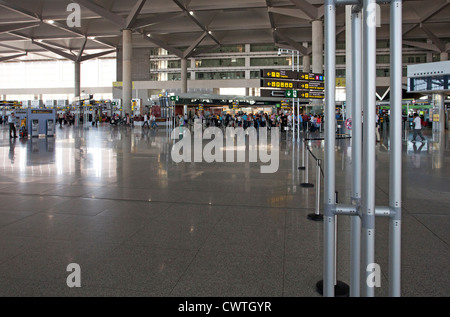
(395, 177)
(317, 211)
(306, 175)
(293, 119)
(298, 120)
(330, 142)
(368, 185)
(303, 154)
(355, 243)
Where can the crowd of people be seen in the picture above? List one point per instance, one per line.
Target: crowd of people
(245, 120)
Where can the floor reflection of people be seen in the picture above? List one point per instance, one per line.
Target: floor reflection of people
(12, 146)
(415, 158)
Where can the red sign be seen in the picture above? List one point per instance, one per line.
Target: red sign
(348, 123)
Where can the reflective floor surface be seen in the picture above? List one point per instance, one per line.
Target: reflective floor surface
(112, 200)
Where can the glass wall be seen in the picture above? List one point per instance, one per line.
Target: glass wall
(417, 58)
(220, 62)
(271, 61)
(229, 49)
(57, 74)
(219, 75)
(263, 48)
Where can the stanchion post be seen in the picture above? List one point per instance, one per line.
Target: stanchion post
(306, 183)
(316, 216)
(303, 154)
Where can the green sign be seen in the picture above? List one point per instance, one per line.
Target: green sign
(291, 94)
(174, 98)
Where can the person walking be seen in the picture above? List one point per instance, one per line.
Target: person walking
(153, 121)
(145, 121)
(417, 124)
(12, 125)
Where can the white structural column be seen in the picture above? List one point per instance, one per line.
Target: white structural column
(348, 62)
(356, 74)
(184, 79)
(369, 141)
(126, 74)
(329, 265)
(395, 177)
(306, 60)
(77, 78)
(317, 46)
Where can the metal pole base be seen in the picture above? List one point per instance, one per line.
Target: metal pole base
(340, 289)
(315, 217)
(307, 185)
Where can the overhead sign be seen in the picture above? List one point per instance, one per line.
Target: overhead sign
(314, 85)
(310, 76)
(312, 94)
(280, 74)
(291, 94)
(42, 111)
(174, 98)
(278, 83)
(311, 85)
(289, 74)
(272, 93)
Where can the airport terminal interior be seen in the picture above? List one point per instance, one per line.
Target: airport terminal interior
(95, 200)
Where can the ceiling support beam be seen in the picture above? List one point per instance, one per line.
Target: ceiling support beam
(13, 7)
(92, 56)
(164, 45)
(17, 26)
(7, 58)
(311, 11)
(131, 19)
(425, 46)
(436, 41)
(187, 53)
(297, 46)
(106, 14)
(296, 13)
(193, 18)
(55, 50)
(144, 22)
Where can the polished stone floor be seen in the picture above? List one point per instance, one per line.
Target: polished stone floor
(112, 200)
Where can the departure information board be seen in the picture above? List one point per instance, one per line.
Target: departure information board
(303, 85)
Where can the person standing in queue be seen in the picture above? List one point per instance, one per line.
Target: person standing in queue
(60, 118)
(12, 125)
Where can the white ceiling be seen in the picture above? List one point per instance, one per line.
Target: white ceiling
(25, 27)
